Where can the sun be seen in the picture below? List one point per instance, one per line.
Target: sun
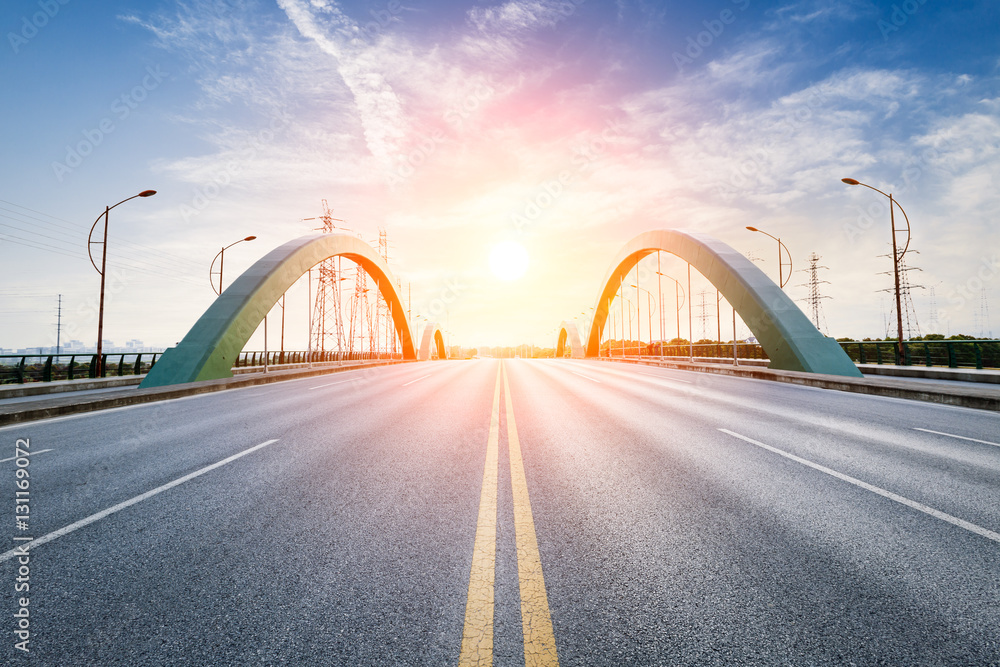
(508, 260)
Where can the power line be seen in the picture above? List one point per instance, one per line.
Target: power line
(79, 229)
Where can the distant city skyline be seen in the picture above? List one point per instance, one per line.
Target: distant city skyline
(565, 128)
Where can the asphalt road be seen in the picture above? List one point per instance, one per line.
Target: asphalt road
(679, 518)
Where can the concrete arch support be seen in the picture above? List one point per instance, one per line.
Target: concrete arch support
(431, 342)
(783, 330)
(568, 335)
(210, 348)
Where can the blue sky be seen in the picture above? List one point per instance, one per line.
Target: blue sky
(445, 123)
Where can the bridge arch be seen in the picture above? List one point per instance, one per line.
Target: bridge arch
(210, 348)
(568, 334)
(432, 341)
(790, 340)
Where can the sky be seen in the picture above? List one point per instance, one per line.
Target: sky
(565, 127)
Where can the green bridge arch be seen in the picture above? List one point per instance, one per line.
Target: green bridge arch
(432, 341)
(568, 335)
(790, 340)
(210, 348)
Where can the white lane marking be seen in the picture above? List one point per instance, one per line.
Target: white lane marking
(662, 377)
(920, 507)
(586, 376)
(40, 451)
(960, 437)
(30, 546)
(417, 380)
(329, 384)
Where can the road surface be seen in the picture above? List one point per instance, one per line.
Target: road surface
(629, 515)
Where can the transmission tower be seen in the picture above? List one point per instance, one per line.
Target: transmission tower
(815, 299)
(383, 321)
(327, 320)
(910, 323)
(983, 325)
(355, 331)
(704, 315)
(933, 320)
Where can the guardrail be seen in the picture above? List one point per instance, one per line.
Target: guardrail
(23, 368)
(249, 358)
(717, 350)
(977, 354)
(950, 353)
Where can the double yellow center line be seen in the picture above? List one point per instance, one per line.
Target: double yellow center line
(536, 623)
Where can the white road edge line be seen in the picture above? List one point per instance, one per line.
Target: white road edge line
(40, 451)
(92, 413)
(952, 435)
(417, 380)
(30, 546)
(920, 507)
(663, 377)
(329, 384)
(586, 376)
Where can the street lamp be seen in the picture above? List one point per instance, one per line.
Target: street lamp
(221, 256)
(649, 314)
(678, 292)
(625, 300)
(897, 257)
(781, 262)
(99, 366)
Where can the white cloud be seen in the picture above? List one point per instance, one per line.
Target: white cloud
(379, 109)
(519, 16)
(734, 143)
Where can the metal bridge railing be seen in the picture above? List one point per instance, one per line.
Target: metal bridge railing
(978, 354)
(702, 350)
(250, 358)
(24, 368)
(947, 353)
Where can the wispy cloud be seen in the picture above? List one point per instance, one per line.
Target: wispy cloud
(379, 109)
(480, 122)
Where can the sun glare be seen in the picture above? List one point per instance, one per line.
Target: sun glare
(508, 260)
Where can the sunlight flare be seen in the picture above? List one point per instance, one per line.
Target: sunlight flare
(508, 260)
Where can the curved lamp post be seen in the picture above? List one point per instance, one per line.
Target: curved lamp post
(896, 255)
(649, 314)
(625, 300)
(99, 366)
(678, 301)
(221, 256)
(782, 281)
